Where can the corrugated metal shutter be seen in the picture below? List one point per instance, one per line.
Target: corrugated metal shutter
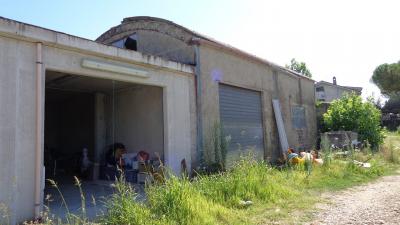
(241, 118)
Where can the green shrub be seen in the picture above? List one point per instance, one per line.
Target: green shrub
(351, 114)
(123, 208)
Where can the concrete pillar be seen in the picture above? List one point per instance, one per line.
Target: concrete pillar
(99, 132)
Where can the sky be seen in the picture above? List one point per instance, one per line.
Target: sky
(346, 39)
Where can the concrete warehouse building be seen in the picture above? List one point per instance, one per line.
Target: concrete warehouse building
(147, 83)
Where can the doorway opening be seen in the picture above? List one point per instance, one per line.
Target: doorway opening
(93, 127)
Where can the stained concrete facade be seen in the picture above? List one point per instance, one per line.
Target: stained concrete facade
(184, 66)
(292, 91)
(217, 63)
(154, 37)
(65, 53)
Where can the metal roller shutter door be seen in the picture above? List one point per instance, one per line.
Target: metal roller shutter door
(241, 118)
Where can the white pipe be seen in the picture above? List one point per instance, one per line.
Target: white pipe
(39, 124)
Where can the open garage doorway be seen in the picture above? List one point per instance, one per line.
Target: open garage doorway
(93, 126)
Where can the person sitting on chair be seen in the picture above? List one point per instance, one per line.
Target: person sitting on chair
(114, 155)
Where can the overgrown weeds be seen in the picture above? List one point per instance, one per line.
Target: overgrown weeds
(122, 207)
(215, 152)
(391, 149)
(268, 193)
(248, 180)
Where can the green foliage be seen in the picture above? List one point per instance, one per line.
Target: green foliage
(179, 202)
(299, 67)
(342, 174)
(390, 150)
(248, 180)
(326, 151)
(216, 199)
(214, 157)
(350, 113)
(123, 208)
(387, 78)
(393, 104)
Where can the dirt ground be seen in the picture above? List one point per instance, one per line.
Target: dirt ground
(374, 203)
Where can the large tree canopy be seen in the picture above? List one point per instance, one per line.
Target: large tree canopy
(299, 67)
(387, 78)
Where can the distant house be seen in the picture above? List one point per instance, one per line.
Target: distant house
(327, 92)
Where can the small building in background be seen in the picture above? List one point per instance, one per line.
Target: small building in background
(327, 92)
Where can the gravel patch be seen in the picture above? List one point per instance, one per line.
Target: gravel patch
(374, 203)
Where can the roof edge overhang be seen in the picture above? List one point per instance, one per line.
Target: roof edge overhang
(30, 33)
(249, 56)
(339, 86)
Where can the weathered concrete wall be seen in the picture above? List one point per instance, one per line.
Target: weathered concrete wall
(221, 66)
(308, 100)
(17, 127)
(65, 53)
(333, 92)
(138, 121)
(160, 38)
(158, 44)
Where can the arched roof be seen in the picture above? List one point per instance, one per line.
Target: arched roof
(131, 24)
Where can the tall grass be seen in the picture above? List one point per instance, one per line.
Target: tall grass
(70, 218)
(218, 198)
(248, 180)
(343, 173)
(180, 202)
(390, 150)
(123, 208)
(215, 151)
(174, 202)
(326, 151)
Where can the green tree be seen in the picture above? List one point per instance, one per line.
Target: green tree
(387, 78)
(350, 113)
(392, 105)
(299, 67)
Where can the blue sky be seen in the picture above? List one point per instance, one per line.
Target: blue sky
(346, 39)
